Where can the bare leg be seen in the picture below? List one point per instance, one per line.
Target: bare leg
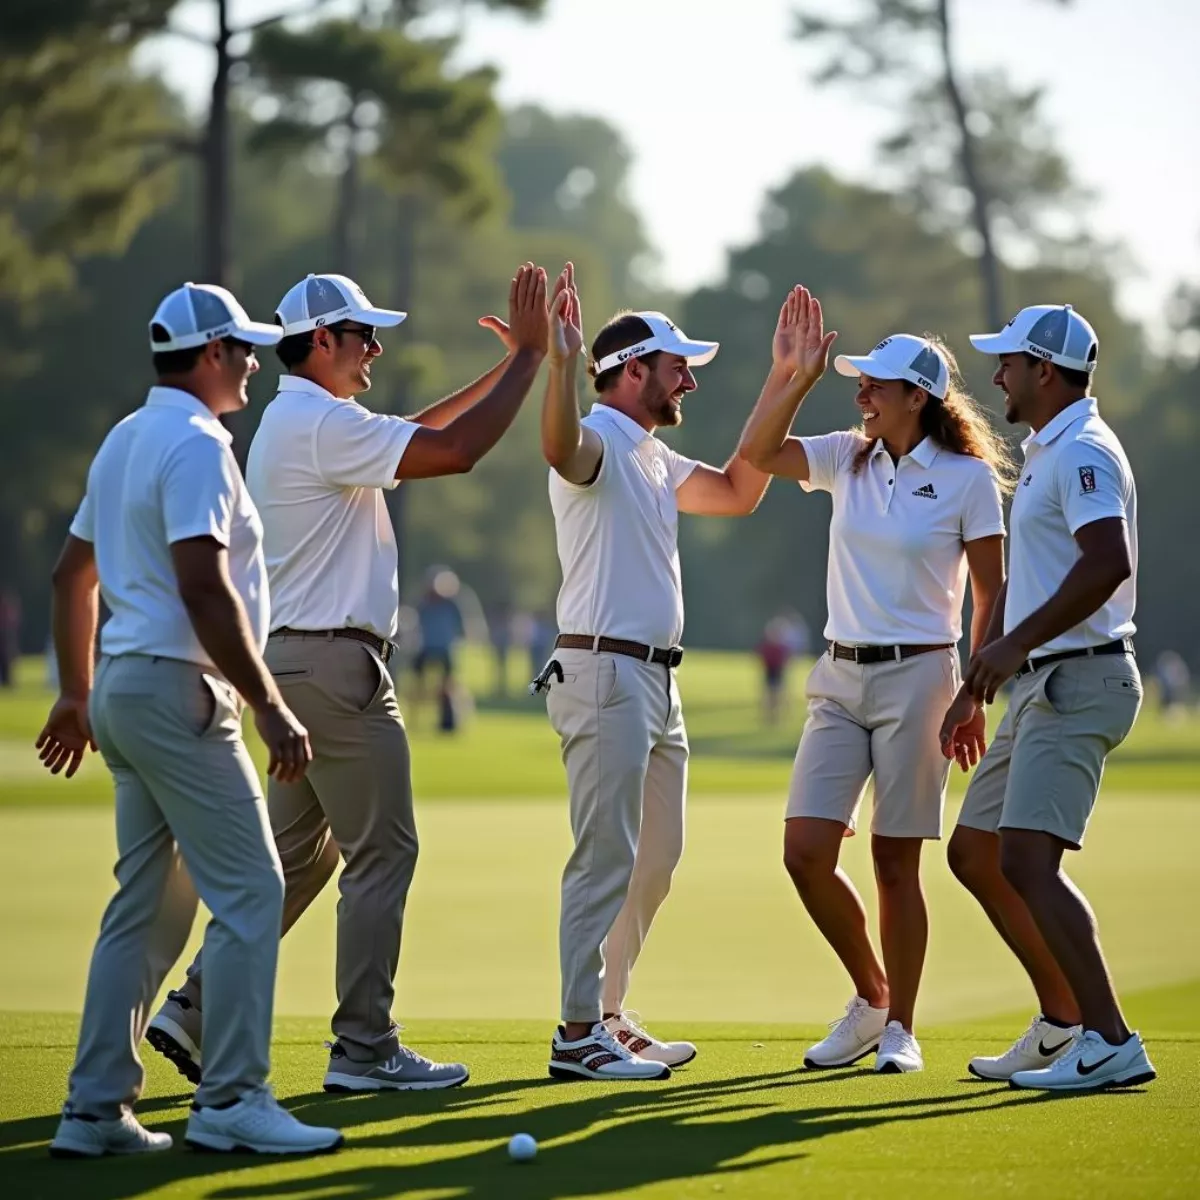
(810, 854)
(903, 921)
(1032, 863)
(974, 856)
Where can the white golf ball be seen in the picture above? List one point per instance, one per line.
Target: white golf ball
(522, 1147)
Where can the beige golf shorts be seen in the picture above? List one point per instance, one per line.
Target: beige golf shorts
(879, 721)
(1043, 768)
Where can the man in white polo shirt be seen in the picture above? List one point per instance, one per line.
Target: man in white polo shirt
(1064, 630)
(616, 491)
(317, 470)
(168, 533)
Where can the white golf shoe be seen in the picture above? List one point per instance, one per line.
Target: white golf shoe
(257, 1124)
(851, 1037)
(81, 1136)
(626, 1029)
(600, 1056)
(1092, 1063)
(1039, 1046)
(898, 1051)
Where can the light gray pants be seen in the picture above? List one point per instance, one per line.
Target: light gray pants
(357, 799)
(626, 752)
(190, 818)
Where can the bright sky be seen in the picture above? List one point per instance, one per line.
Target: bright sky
(714, 99)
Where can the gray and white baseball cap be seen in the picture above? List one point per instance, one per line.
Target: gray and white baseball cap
(198, 313)
(327, 299)
(1054, 332)
(901, 356)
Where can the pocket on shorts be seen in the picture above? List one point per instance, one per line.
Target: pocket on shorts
(608, 679)
(218, 701)
(1057, 690)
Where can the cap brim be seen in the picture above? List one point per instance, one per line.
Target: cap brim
(383, 317)
(854, 365)
(258, 333)
(696, 353)
(995, 343)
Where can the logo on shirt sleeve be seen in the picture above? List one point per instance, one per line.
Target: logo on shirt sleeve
(1087, 480)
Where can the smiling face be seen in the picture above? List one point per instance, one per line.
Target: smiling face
(890, 408)
(664, 383)
(228, 365)
(1019, 377)
(347, 351)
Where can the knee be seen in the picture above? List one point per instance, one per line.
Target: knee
(895, 870)
(805, 863)
(966, 861)
(1025, 875)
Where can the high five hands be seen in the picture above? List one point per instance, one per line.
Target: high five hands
(566, 318)
(801, 345)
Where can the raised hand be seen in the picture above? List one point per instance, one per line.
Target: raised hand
(528, 315)
(801, 344)
(66, 737)
(566, 318)
(500, 329)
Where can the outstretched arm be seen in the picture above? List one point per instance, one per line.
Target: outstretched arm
(800, 352)
(441, 413)
(572, 450)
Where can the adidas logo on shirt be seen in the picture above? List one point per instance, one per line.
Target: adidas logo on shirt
(926, 490)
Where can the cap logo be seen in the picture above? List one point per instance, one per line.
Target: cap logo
(886, 342)
(1050, 331)
(1038, 350)
(632, 352)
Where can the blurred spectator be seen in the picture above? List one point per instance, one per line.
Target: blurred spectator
(796, 633)
(442, 627)
(1174, 682)
(774, 652)
(500, 634)
(10, 629)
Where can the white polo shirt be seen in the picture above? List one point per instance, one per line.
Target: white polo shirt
(1075, 473)
(618, 537)
(897, 559)
(317, 469)
(164, 474)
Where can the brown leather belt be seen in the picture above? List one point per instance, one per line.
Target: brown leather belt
(605, 645)
(381, 646)
(874, 654)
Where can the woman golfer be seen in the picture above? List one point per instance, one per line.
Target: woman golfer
(916, 508)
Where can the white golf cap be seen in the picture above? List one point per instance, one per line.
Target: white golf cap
(1055, 332)
(198, 313)
(326, 300)
(664, 335)
(901, 356)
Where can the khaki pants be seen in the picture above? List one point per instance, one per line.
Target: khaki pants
(626, 752)
(356, 799)
(190, 818)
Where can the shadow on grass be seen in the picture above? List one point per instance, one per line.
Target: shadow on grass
(593, 1141)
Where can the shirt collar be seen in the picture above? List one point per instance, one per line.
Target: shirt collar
(169, 397)
(923, 453)
(297, 383)
(1085, 407)
(632, 430)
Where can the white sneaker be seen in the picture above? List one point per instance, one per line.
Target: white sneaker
(89, 1137)
(257, 1124)
(853, 1036)
(600, 1056)
(645, 1045)
(1035, 1049)
(1091, 1063)
(898, 1051)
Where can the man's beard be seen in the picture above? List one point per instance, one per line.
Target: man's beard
(657, 402)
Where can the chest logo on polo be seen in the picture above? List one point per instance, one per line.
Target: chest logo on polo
(926, 491)
(1087, 480)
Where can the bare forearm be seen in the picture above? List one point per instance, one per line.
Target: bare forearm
(1087, 586)
(982, 618)
(747, 483)
(219, 619)
(560, 412)
(771, 420)
(439, 415)
(478, 429)
(74, 619)
(993, 628)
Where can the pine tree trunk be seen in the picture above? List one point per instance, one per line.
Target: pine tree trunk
(217, 216)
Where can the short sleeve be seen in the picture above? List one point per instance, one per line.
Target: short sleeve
(1092, 484)
(827, 455)
(679, 467)
(200, 486)
(83, 526)
(983, 509)
(358, 448)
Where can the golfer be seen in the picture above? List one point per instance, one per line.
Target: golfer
(916, 510)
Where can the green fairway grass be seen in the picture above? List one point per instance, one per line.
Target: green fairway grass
(507, 748)
(742, 1121)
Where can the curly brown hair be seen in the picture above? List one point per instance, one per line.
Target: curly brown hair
(958, 424)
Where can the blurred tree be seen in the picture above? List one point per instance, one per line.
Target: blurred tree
(974, 152)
